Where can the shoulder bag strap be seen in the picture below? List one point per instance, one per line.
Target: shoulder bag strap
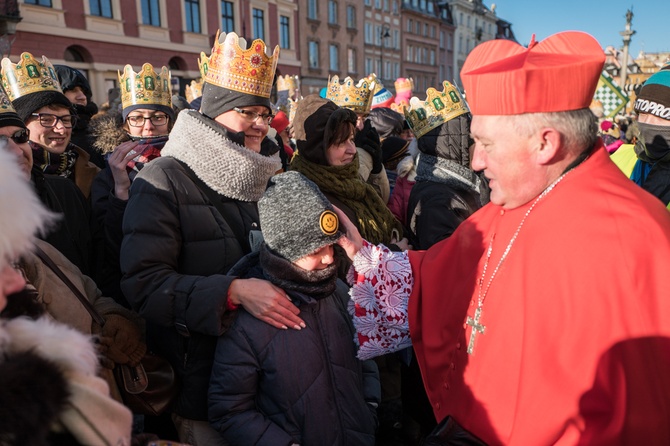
(84, 301)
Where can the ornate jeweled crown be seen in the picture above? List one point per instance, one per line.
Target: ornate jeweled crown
(400, 106)
(404, 84)
(438, 108)
(5, 104)
(292, 108)
(287, 82)
(233, 66)
(146, 87)
(194, 89)
(27, 76)
(372, 77)
(356, 97)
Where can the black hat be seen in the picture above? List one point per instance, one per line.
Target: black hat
(217, 100)
(315, 123)
(387, 122)
(295, 216)
(71, 78)
(30, 103)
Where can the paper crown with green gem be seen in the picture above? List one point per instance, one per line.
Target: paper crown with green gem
(438, 108)
(146, 87)
(194, 89)
(247, 70)
(351, 95)
(28, 75)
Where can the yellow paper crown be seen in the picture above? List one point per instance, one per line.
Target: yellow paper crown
(194, 90)
(146, 87)
(245, 70)
(287, 82)
(404, 84)
(292, 108)
(356, 97)
(5, 104)
(372, 77)
(438, 108)
(27, 76)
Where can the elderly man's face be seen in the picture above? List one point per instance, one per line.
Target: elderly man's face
(507, 159)
(14, 140)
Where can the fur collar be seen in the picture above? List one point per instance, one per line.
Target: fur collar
(440, 170)
(228, 168)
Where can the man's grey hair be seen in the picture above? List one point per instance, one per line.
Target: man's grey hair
(578, 128)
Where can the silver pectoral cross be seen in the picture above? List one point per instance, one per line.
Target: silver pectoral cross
(476, 327)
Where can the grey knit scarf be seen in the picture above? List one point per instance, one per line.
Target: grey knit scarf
(440, 170)
(227, 167)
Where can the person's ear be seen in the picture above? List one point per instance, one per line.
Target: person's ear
(550, 146)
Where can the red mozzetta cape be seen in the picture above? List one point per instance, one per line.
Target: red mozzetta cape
(577, 340)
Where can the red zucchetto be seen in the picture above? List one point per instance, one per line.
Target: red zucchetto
(559, 73)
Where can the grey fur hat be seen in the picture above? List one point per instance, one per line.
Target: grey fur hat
(296, 218)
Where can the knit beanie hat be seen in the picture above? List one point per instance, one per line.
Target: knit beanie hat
(654, 96)
(218, 100)
(30, 103)
(296, 218)
(71, 78)
(450, 141)
(394, 149)
(387, 122)
(315, 123)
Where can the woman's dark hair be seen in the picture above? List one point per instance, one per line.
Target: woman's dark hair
(342, 134)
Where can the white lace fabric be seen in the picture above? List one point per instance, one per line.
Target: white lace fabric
(382, 283)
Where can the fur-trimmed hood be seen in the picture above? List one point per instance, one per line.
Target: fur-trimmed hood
(108, 131)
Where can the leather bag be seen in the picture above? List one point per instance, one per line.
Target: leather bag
(148, 388)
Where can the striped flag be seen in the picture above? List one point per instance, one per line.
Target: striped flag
(613, 98)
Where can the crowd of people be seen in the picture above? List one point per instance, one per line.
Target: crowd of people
(344, 268)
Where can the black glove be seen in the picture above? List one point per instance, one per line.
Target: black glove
(368, 140)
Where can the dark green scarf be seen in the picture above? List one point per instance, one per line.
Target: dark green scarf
(375, 222)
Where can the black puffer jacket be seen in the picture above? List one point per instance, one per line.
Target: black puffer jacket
(447, 191)
(176, 250)
(279, 387)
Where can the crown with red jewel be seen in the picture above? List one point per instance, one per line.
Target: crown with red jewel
(234, 66)
(351, 95)
(28, 75)
(438, 108)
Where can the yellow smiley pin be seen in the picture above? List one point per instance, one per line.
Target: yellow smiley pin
(329, 222)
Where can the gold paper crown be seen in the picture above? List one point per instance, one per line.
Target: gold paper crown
(292, 108)
(400, 106)
(356, 97)
(287, 82)
(248, 71)
(5, 104)
(404, 84)
(372, 77)
(27, 76)
(438, 108)
(146, 87)
(194, 90)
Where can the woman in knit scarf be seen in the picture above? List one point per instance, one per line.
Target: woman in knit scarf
(327, 155)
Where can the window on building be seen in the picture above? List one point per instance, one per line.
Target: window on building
(351, 16)
(422, 5)
(410, 53)
(425, 30)
(192, 8)
(394, 6)
(415, 3)
(450, 42)
(432, 31)
(258, 16)
(368, 33)
(151, 13)
(368, 65)
(417, 28)
(378, 35)
(227, 17)
(351, 60)
(313, 54)
(467, 45)
(431, 8)
(396, 39)
(432, 57)
(468, 21)
(378, 4)
(100, 8)
(312, 9)
(334, 56)
(410, 25)
(386, 5)
(284, 32)
(46, 3)
(396, 70)
(441, 39)
(460, 19)
(368, 2)
(332, 12)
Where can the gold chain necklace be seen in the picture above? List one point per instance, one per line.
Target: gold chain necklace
(477, 327)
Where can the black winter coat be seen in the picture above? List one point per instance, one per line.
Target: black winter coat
(176, 250)
(279, 387)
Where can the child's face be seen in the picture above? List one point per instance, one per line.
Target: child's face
(320, 259)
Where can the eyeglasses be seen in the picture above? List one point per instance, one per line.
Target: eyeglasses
(49, 120)
(19, 137)
(139, 120)
(253, 116)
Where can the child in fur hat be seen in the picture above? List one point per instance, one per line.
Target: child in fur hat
(285, 387)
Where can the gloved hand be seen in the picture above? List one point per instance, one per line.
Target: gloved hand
(368, 139)
(120, 341)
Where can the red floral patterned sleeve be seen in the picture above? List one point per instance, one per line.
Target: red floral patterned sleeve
(382, 282)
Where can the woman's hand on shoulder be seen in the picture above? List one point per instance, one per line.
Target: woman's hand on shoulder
(266, 302)
(118, 161)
